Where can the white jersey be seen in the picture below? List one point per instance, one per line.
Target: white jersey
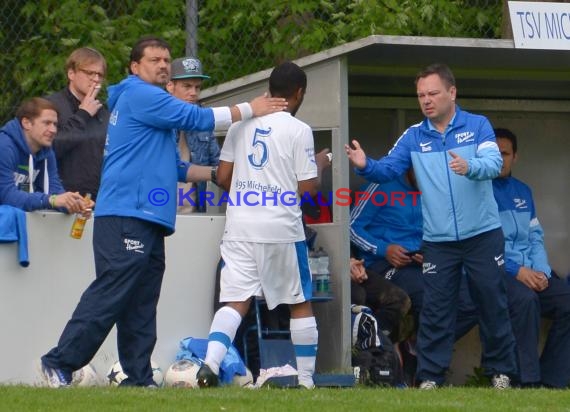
(271, 154)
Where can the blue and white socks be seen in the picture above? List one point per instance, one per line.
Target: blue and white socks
(305, 338)
(222, 333)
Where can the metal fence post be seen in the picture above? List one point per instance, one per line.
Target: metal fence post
(191, 27)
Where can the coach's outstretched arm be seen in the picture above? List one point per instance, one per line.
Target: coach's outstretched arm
(259, 106)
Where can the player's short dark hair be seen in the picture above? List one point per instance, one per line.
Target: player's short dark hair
(286, 79)
(504, 133)
(442, 70)
(137, 52)
(32, 108)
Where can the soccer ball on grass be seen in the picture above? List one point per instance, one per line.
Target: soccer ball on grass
(182, 374)
(86, 376)
(116, 375)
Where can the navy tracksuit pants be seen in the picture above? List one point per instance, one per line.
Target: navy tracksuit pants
(482, 257)
(526, 307)
(129, 264)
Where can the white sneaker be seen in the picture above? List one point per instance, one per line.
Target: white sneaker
(53, 377)
(307, 384)
(501, 382)
(428, 385)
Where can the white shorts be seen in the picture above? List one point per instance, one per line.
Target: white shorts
(277, 271)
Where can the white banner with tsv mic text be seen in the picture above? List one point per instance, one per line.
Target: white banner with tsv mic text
(540, 25)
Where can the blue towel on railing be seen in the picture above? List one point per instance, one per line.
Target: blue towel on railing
(194, 349)
(13, 229)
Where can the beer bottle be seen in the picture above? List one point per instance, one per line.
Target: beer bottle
(79, 222)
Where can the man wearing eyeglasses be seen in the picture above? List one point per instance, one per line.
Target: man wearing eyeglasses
(82, 122)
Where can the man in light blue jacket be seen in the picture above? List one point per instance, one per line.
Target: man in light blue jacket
(136, 209)
(454, 155)
(534, 290)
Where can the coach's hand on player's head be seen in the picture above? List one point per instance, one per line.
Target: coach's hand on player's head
(263, 105)
(355, 154)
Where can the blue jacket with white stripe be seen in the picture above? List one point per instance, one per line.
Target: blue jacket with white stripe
(383, 219)
(454, 207)
(524, 237)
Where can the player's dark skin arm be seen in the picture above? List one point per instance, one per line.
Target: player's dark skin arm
(225, 172)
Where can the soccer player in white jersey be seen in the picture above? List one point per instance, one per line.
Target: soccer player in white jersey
(267, 165)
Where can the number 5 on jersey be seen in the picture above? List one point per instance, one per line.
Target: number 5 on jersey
(259, 155)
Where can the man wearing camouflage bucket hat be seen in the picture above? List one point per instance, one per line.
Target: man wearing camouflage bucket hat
(200, 148)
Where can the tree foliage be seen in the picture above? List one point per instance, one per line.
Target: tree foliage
(44, 32)
(235, 37)
(243, 36)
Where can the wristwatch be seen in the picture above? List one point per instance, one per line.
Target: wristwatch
(214, 174)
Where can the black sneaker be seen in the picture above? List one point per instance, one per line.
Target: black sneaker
(54, 377)
(206, 378)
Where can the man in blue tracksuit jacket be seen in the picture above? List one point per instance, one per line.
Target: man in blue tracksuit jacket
(385, 224)
(136, 209)
(454, 155)
(534, 291)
